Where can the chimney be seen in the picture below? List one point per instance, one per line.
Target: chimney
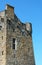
(9, 11)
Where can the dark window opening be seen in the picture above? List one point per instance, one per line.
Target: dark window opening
(2, 52)
(13, 40)
(9, 22)
(13, 43)
(13, 46)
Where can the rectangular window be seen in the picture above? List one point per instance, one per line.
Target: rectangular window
(13, 43)
(13, 40)
(13, 46)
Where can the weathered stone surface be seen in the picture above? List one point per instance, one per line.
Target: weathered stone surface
(13, 28)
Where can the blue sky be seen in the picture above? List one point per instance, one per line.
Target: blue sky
(31, 11)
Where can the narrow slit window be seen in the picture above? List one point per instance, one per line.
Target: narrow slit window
(13, 40)
(13, 46)
(13, 43)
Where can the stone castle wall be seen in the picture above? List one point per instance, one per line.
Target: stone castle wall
(22, 53)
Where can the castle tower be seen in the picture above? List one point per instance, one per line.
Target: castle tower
(15, 40)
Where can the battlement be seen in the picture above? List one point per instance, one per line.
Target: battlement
(26, 26)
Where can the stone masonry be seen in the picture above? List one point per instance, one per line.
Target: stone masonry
(15, 39)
